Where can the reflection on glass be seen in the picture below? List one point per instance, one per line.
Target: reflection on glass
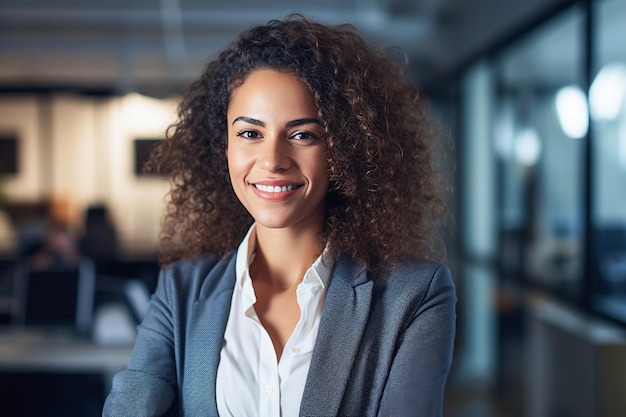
(527, 147)
(571, 108)
(606, 98)
(540, 166)
(606, 95)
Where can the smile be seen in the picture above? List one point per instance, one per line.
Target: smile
(275, 189)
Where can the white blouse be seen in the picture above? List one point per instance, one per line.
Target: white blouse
(250, 380)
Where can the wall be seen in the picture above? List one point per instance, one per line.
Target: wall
(77, 151)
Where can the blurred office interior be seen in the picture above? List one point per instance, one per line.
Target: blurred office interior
(533, 95)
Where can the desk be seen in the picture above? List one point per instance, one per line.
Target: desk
(47, 375)
(35, 351)
(577, 362)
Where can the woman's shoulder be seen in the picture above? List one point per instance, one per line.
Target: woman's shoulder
(195, 265)
(419, 276)
(199, 277)
(415, 286)
(418, 268)
(413, 276)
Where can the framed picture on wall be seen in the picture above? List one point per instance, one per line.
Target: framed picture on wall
(142, 149)
(8, 154)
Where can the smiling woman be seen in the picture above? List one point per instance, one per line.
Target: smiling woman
(295, 249)
(276, 157)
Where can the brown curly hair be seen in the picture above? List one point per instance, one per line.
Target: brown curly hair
(384, 201)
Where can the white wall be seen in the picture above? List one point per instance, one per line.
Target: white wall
(80, 150)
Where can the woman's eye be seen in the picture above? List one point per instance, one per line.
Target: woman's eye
(303, 135)
(248, 134)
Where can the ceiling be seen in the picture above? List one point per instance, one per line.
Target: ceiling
(157, 46)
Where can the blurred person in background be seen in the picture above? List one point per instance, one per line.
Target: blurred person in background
(99, 238)
(303, 210)
(59, 250)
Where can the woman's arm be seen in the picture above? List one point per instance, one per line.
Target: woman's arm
(418, 374)
(147, 386)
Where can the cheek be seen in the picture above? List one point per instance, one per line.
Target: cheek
(232, 157)
(231, 164)
(238, 165)
(319, 165)
(236, 174)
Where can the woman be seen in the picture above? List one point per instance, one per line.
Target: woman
(303, 203)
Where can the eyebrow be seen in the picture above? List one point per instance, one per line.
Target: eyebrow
(292, 123)
(249, 120)
(299, 122)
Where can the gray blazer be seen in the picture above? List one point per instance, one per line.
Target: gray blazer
(383, 348)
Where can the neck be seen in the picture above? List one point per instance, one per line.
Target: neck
(283, 255)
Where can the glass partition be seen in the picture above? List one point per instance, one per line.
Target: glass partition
(539, 129)
(608, 115)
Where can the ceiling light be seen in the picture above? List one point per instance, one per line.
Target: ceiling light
(607, 92)
(527, 147)
(571, 108)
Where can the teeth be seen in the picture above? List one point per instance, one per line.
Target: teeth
(276, 189)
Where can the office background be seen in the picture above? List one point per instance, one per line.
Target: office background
(533, 96)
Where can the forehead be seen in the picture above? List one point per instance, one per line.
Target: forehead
(267, 86)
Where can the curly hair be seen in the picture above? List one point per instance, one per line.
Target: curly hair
(385, 199)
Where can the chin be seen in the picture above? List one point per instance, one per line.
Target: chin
(272, 223)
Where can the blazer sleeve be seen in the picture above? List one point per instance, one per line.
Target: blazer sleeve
(418, 374)
(147, 387)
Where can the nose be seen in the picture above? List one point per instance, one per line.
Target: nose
(274, 154)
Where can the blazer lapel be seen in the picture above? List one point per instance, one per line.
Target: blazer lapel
(345, 314)
(205, 335)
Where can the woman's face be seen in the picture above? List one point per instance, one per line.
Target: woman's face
(276, 156)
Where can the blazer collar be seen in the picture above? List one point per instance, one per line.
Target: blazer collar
(345, 314)
(204, 340)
